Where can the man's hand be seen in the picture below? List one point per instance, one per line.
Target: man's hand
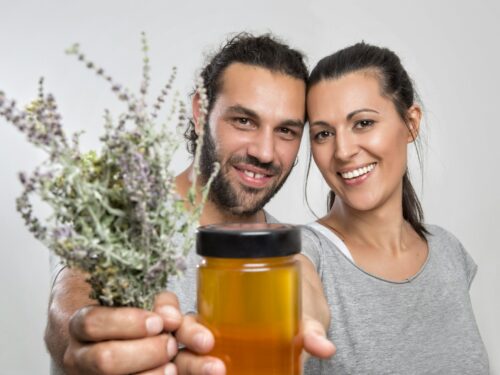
(106, 340)
(103, 340)
(198, 341)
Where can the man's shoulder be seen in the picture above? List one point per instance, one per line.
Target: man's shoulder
(270, 219)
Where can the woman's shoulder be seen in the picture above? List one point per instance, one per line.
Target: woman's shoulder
(311, 245)
(318, 245)
(309, 233)
(313, 234)
(442, 237)
(324, 240)
(447, 246)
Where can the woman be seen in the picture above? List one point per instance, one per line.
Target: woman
(398, 289)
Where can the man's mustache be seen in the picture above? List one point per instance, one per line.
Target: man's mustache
(271, 168)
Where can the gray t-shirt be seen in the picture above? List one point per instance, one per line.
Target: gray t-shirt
(424, 325)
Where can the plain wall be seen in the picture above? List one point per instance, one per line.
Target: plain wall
(450, 48)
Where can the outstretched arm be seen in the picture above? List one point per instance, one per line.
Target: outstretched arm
(315, 312)
(85, 338)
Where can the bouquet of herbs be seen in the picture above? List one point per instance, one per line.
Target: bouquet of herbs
(115, 212)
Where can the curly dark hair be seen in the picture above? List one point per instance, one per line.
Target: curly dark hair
(265, 50)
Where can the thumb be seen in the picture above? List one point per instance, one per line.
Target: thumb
(315, 341)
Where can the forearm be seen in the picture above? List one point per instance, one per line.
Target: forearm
(314, 304)
(70, 292)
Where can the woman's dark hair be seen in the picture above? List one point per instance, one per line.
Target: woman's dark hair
(265, 51)
(395, 84)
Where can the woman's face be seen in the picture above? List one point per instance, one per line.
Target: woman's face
(358, 140)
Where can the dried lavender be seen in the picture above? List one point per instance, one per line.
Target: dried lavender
(115, 213)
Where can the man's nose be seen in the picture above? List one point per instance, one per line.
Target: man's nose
(262, 146)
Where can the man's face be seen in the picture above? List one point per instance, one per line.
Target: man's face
(255, 127)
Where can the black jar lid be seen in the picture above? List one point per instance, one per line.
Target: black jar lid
(248, 240)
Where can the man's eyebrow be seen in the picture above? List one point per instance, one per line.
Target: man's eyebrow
(239, 109)
(293, 123)
(353, 113)
(247, 112)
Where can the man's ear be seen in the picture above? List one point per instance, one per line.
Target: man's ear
(414, 116)
(195, 104)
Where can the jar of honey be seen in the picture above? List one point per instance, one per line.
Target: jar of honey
(249, 296)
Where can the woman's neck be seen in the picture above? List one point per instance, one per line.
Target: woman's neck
(380, 240)
(381, 229)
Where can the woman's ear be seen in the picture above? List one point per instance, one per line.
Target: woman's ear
(195, 104)
(413, 120)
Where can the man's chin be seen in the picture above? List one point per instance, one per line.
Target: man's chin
(244, 208)
(240, 199)
(248, 208)
(243, 211)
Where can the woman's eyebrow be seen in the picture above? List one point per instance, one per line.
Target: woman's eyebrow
(348, 117)
(319, 123)
(353, 113)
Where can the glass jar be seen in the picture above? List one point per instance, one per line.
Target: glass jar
(249, 296)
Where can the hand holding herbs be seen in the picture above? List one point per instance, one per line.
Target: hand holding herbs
(115, 212)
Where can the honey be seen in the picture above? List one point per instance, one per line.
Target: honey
(253, 308)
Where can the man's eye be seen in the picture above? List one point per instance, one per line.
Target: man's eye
(242, 120)
(286, 131)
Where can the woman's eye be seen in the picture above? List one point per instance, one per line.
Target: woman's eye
(364, 123)
(322, 135)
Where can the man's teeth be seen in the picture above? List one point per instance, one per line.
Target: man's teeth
(358, 172)
(253, 175)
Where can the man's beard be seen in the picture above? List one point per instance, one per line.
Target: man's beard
(223, 194)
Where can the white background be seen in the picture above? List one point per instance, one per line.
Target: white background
(449, 48)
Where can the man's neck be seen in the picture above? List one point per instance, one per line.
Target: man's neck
(212, 213)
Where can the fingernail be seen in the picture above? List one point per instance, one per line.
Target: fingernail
(207, 368)
(201, 340)
(170, 313)
(154, 325)
(326, 341)
(170, 369)
(213, 367)
(171, 347)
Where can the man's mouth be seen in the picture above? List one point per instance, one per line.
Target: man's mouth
(358, 172)
(253, 176)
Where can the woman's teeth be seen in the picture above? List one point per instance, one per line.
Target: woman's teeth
(358, 172)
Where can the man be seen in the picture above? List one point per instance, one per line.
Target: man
(256, 111)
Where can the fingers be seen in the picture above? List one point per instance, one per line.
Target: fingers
(194, 336)
(168, 369)
(189, 363)
(167, 306)
(123, 356)
(315, 341)
(98, 323)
